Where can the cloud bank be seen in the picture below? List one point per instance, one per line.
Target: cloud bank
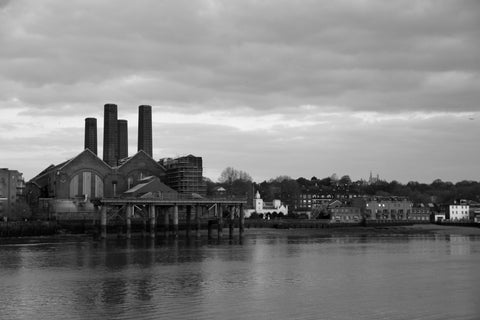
(272, 87)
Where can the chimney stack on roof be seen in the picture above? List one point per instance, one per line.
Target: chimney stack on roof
(122, 139)
(145, 129)
(91, 134)
(110, 134)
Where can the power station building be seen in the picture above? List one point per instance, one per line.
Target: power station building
(74, 185)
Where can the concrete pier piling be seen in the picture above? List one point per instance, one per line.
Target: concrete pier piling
(231, 221)
(175, 221)
(166, 221)
(103, 222)
(197, 220)
(151, 218)
(219, 211)
(210, 222)
(188, 219)
(144, 227)
(128, 221)
(241, 220)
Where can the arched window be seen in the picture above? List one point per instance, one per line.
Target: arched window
(86, 183)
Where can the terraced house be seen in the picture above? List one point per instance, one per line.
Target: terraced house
(386, 208)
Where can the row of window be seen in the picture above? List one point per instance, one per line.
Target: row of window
(459, 207)
(338, 218)
(345, 210)
(390, 204)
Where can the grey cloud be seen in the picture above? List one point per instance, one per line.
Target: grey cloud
(266, 55)
(4, 3)
(410, 149)
(397, 149)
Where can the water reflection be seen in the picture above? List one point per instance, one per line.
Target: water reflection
(267, 274)
(458, 244)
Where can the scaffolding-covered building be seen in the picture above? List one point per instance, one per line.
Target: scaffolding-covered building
(185, 175)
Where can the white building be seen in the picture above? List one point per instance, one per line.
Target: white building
(267, 209)
(439, 217)
(459, 211)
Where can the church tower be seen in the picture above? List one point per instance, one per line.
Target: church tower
(258, 203)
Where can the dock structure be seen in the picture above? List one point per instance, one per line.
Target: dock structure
(171, 210)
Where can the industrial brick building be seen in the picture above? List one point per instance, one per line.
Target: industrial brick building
(74, 185)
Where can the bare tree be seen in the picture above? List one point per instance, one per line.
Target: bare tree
(230, 174)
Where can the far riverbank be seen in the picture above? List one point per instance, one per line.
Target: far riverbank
(45, 228)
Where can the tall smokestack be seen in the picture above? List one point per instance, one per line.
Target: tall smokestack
(110, 134)
(145, 129)
(122, 139)
(91, 134)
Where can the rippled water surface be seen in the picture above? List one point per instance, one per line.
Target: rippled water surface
(281, 274)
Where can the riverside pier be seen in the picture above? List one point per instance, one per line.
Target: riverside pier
(167, 211)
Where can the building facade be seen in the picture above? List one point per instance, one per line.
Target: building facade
(345, 214)
(12, 192)
(459, 211)
(306, 202)
(385, 208)
(420, 212)
(74, 185)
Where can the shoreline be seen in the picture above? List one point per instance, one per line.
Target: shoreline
(376, 230)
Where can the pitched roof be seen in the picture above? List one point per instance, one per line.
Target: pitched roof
(136, 155)
(63, 164)
(86, 151)
(152, 185)
(136, 188)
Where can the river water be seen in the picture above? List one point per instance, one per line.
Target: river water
(270, 274)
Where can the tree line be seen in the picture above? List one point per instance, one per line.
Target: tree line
(287, 189)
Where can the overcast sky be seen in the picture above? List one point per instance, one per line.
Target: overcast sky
(271, 87)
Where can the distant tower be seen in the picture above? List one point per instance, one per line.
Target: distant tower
(91, 134)
(110, 134)
(122, 139)
(258, 203)
(145, 129)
